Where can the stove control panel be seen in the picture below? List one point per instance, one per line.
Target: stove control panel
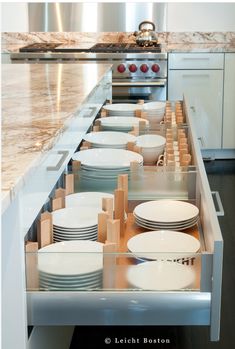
(138, 69)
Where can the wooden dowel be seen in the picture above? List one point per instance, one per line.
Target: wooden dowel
(107, 206)
(69, 183)
(123, 184)
(119, 208)
(102, 226)
(44, 229)
(113, 231)
(31, 261)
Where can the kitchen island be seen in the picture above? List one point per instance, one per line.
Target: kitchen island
(46, 111)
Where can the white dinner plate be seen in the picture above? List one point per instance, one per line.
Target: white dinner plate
(157, 245)
(107, 158)
(166, 211)
(72, 217)
(109, 138)
(170, 227)
(91, 199)
(71, 257)
(122, 107)
(161, 276)
(117, 121)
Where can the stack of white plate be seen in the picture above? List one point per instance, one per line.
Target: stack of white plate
(117, 123)
(155, 111)
(106, 164)
(88, 199)
(75, 223)
(163, 245)
(71, 265)
(152, 146)
(122, 109)
(161, 276)
(166, 214)
(110, 139)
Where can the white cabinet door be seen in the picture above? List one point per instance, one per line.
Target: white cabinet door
(204, 89)
(229, 102)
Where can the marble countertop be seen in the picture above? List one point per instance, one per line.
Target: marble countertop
(166, 47)
(37, 103)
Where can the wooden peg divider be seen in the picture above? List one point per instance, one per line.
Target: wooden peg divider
(31, 261)
(97, 122)
(135, 131)
(86, 144)
(109, 264)
(57, 204)
(140, 101)
(119, 210)
(103, 113)
(143, 114)
(130, 146)
(107, 206)
(138, 113)
(142, 125)
(123, 184)
(102, 226)
(60, 193)
(96, 128)
(83, 148)
(113, 231)
(44, 229)
(137, 149)
(69, 183)
(76, 165)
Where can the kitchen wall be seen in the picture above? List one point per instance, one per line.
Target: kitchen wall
(180, 17)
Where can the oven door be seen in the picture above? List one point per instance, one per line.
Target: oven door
(132, 90)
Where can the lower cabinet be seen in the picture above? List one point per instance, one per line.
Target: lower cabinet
(229, 102)
(204, 89)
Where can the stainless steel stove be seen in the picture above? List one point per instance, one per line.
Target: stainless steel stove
(138, 72)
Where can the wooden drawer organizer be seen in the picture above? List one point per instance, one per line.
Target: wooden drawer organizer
(114, 230)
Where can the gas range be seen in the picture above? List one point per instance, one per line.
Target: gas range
(137, 71)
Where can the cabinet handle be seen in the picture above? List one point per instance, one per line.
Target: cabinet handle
(64, 154)
(201, 141)
(216, 198)
(195, 75)
(92, 110)
(195, 58)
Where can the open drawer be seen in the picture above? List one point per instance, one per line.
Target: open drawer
(122, 291)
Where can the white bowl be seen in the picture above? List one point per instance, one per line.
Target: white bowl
(152, 146)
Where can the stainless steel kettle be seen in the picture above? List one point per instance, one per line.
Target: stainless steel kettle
(146, 36)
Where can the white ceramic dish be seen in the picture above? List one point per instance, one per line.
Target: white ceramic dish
(75, 218)
(109, 139)
(122, 107)
(91, 199)
(166, 211)
(107, 158)
(158, 106)
(161, 276)
(125, 122)
(163, 244)
(152, 146)
(71, 258)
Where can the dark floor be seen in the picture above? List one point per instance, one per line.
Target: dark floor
(221, 175)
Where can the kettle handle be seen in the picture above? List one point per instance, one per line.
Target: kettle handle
(149, 22)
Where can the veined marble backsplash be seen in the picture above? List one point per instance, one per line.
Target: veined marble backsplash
(10, 38)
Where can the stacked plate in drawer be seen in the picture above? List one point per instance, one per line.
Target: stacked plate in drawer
(88, 199)
(163, 244)
(116, 123)
(106, 164)
(71, 265)
(166, 214)
(75, 223)
(122, 109)
(161, 276)
(108, 139)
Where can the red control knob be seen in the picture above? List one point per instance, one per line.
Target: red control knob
(155, 68)
(144, 68)
(121, 68)
(133, 68)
